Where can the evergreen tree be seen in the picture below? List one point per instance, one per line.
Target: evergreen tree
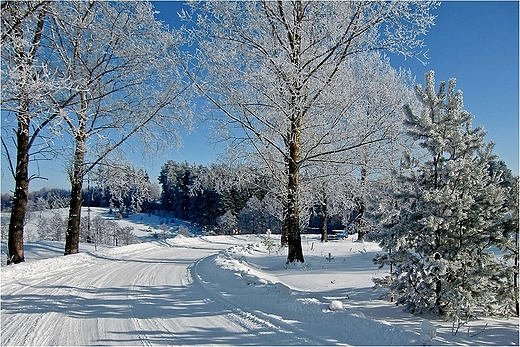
(176, 180)
(508, 295)
(445, 223)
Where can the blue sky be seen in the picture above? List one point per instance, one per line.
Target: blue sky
(475, 42)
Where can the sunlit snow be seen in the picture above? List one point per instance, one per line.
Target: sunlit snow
(214, 290)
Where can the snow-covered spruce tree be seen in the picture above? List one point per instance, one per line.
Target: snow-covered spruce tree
(444, 225)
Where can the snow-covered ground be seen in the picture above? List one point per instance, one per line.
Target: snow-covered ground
(214, 290)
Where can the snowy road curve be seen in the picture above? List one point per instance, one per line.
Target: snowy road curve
(212, 290)
(147, 294)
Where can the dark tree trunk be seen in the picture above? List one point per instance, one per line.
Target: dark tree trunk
(360, 219)
(292, 212)
(15, 253)
(438, 297)
(294, 242)
(324, 218)
(76, 181)
(285, 231)
(73, 224)
(362, 207)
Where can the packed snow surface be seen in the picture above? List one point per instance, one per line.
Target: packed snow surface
(216, 290)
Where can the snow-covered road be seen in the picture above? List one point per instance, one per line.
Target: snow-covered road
(215, 290)
(148, 294)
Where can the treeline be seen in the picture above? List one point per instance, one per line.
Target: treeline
(221, 199)
(215, 198)
(45, 198)
(54, 198)
(205, 196)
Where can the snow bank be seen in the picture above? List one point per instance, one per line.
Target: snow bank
(331, 298)
(252, 278)
(428, 332)
(325, 301)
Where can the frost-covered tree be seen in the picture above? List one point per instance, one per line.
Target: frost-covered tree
(126, 187)
(227, 223)
(343, 185)
(100, 73)
(279, 72)
(53, 227)
(257, 217)
(508, 296)
(108, 232)
(123, 67)
(26, 83)
(444, 227)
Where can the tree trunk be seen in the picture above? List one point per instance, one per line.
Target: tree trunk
(292, 212)
(362, 207)
(324, 218)
(438, 297)
(285, 232)
(24, 60)
(360, 219)
(73, 224)
(15, 253)
(76, 181)
(292, 227)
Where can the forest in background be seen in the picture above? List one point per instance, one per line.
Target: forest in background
(180, 195)
(191, 192)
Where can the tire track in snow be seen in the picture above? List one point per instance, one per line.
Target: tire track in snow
(252, 325)
(62, 300)
(158, 285)
(147, 274)
(149, 294)
(32, 298)
(268, 324)
(175, 330)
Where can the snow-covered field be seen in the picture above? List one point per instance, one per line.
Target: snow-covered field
(214, 290)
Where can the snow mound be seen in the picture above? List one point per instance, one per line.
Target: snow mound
(252, 279)
(428, 332)
(282, 288)
(45, 267)
(336, 305)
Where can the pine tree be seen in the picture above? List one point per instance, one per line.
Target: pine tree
(508, 294)
(445, 223)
